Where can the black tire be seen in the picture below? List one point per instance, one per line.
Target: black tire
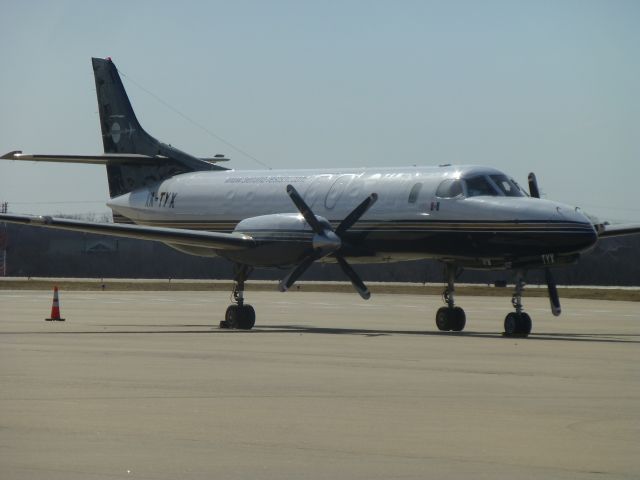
(517, 325)
(443, 319)
(247, 318)
(231, 316)
(525, 324)
(458, 319)
(511, 324)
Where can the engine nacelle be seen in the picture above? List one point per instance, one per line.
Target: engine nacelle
(283, 239)
(278, 222)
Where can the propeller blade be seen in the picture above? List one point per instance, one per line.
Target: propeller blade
(357, 283)
(321, 234)
(290, 279)
(356, 213)
(533, 185)
(554, 298)
(304, 210)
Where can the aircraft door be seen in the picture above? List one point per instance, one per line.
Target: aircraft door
(316, 189)
(336, 191)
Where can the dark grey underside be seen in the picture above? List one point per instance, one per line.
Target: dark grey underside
(473, 244)
(476, 247)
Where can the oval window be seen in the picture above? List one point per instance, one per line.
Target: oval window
(450, 188)
(415, 191)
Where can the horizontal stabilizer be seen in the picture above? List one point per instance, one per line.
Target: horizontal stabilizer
(177, 236)
(105, 159)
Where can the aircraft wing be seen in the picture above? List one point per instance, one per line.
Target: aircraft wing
(196, 238)
(606, 230)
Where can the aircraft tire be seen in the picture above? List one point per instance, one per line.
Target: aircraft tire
(239, 317)
(517, 325)
(510, 324)
(457, 319)
(230, 317)
(247, 318)
(443, 319)
(525, 324)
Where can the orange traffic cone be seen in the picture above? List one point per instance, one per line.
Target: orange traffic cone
(55, 308)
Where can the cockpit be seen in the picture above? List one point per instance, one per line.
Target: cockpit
(477, 185)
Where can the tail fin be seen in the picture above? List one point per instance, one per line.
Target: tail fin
(122, 133)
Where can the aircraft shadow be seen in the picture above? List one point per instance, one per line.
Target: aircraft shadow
(537, 336)
(200, 329)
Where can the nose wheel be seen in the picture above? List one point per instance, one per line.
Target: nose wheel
(518, 323)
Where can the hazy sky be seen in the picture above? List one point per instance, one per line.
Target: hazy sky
(545, 86)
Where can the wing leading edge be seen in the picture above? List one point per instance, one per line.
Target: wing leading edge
(194, 238)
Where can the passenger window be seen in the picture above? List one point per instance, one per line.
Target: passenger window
(415, 191)
(479, 186)
(450, 188)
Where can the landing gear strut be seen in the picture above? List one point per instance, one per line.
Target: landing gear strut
(518, 323)
(450, 318)
(239, 316)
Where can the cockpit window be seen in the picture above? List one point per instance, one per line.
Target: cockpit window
(507, 186)
(479, 186)
(449, 188)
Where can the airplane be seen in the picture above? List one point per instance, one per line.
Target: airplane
(465, 216)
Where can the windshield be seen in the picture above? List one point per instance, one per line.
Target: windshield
(479, 186)
(496, 185)
(507, 186)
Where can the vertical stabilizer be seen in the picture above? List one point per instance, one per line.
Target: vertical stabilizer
(122, 133)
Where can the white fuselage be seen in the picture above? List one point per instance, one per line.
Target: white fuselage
(219, 200)
(234, 195)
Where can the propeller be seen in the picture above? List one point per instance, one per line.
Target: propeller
(326, 241)
(554, 298)
(533, 185)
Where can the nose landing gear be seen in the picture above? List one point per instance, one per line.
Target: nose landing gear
(450, 318)
(518, 323)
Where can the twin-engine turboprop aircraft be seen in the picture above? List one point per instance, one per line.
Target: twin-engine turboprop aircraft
(464, 216)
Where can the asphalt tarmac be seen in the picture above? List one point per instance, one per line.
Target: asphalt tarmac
(327, 386)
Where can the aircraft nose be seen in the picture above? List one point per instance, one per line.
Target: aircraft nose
(586, 235)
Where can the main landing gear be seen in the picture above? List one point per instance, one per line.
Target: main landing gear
(239, 316)
(518, 323)
(450, 318)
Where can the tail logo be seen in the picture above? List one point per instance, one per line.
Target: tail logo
(115, 132)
